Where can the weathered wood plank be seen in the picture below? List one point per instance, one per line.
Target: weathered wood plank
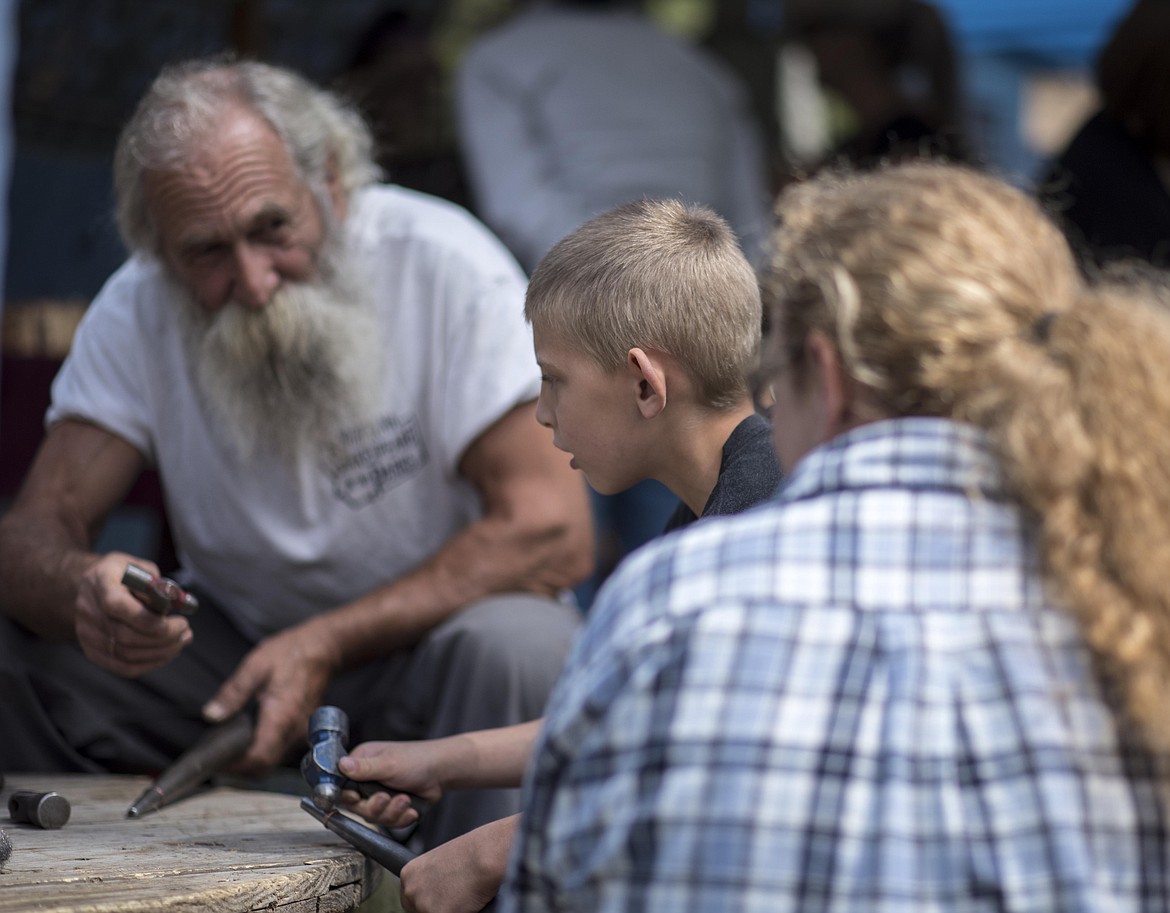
(223, 850)
(340, 899)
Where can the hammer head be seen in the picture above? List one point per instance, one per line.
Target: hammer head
(46, 810)
(160, 594)
(328, 744)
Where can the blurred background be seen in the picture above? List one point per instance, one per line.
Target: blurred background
(1022, 67)
(1004, 83)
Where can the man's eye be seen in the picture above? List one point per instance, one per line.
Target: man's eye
(205, 253)
(272, 229)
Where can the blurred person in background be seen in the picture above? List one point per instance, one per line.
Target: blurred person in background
(395, 79)
(1110, 187)
(891, 78)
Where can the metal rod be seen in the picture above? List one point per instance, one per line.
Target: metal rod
(216, 748)
(388, 853)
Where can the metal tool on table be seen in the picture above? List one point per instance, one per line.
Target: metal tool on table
(160, 594)
(217, 747)
(47, 810)
(328, 744)
(389, 854)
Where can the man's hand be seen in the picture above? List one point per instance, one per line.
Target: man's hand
(461, 875)
(286, 674)
(117, 631)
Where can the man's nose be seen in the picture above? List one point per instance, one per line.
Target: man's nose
(255, 278)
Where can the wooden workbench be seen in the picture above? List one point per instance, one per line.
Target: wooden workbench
(220, 850)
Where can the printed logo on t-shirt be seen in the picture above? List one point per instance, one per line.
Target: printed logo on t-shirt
(371, 459)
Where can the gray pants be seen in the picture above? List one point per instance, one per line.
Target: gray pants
(493, 664)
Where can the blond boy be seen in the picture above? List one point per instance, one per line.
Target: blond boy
(646, 322)
(646, 325)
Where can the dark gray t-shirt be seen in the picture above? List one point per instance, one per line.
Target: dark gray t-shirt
(748, 474)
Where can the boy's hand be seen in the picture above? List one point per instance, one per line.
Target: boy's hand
(403, 767)
(461, 875)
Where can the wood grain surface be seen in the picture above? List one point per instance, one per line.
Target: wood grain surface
(219, 850)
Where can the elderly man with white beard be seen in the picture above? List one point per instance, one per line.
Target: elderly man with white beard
(336, 385)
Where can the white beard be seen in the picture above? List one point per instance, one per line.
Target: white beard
(286, 379)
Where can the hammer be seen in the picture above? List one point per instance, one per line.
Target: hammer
(328, 744)
(46, 810)
(160, 594)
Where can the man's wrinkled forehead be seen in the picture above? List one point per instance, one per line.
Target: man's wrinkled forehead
(247, 174)
(241, 151)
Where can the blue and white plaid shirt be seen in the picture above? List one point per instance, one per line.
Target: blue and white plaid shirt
(857, 697)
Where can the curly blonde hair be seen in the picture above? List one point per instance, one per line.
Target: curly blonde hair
(949, 293)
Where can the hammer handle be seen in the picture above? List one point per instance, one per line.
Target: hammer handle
(367, 788)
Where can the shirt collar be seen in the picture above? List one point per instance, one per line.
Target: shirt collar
(916, 452)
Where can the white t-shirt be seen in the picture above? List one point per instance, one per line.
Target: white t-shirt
(275, 546)
(566, 111)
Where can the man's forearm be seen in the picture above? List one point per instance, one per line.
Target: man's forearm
(41, 565)
(490, 556)
(79, 474)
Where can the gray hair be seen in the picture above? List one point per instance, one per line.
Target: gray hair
(186, 104)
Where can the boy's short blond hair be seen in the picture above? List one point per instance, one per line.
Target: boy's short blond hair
(654, 274)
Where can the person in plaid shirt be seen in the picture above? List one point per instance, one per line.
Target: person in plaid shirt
(933, 673)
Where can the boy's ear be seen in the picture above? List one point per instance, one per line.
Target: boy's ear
(650, 376)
